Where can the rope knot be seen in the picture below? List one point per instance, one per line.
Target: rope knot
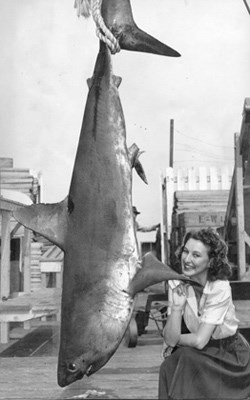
(88, 7)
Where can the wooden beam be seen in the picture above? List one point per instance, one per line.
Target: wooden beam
(5, 256)
(239, 200)
(4, 332)
(230, 206)
(9, 205)
(247, 165)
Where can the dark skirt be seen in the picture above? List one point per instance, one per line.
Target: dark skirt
(221, 370)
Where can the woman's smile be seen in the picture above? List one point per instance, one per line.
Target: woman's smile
(187, 267)
(195, 260)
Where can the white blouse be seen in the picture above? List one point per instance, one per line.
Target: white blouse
(216, 307)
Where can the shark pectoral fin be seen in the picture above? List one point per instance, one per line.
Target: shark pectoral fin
(153, 271)
(134, 154)
(49, 220)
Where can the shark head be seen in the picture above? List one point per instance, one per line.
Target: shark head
(91, 331)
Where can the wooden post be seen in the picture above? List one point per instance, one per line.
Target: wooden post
(163, 217)
(4, 332)
(169, 195)
(26, 251)
(239, 202)
(5, 255)
(171, 147)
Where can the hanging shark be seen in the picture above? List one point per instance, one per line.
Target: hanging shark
(94, 226)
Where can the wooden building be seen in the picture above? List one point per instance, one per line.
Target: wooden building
(20, 273)
(18, 187)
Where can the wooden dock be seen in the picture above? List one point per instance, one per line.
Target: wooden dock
(27, 306)
(29, 366)
(132, 373)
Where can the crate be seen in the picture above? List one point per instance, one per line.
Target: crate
(201, 219)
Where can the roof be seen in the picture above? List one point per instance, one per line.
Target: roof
(16, 196)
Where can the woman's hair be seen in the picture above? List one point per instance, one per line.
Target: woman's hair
(217, 252)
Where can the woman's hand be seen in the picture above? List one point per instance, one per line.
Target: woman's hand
(179, 296)
(172, 330)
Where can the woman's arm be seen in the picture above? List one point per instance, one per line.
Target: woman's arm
(198, 339)
(172, 331)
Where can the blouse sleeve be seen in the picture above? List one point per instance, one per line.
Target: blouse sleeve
(217, 302)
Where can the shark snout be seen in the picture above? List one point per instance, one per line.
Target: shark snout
(71, 371)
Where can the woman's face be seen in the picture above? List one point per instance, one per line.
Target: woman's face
(195, 260)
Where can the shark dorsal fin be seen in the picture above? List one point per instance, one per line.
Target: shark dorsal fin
(90, 82)
(49, 220)
(117, 80)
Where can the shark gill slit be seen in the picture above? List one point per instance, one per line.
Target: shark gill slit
(71, 205)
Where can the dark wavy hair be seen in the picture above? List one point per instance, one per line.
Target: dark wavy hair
(217, 252)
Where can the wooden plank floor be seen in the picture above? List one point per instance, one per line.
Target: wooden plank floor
(28, 367)
(132, 373)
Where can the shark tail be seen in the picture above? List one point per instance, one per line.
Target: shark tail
(134, 39)
(116, 26)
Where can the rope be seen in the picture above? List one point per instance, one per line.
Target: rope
(102, 32)
(87, 7)
(83, 7)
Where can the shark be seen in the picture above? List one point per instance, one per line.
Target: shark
(94, 224)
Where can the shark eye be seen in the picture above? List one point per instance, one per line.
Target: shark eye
(89, 370)
(72, 367)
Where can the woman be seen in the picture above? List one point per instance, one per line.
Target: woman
(205, 356)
